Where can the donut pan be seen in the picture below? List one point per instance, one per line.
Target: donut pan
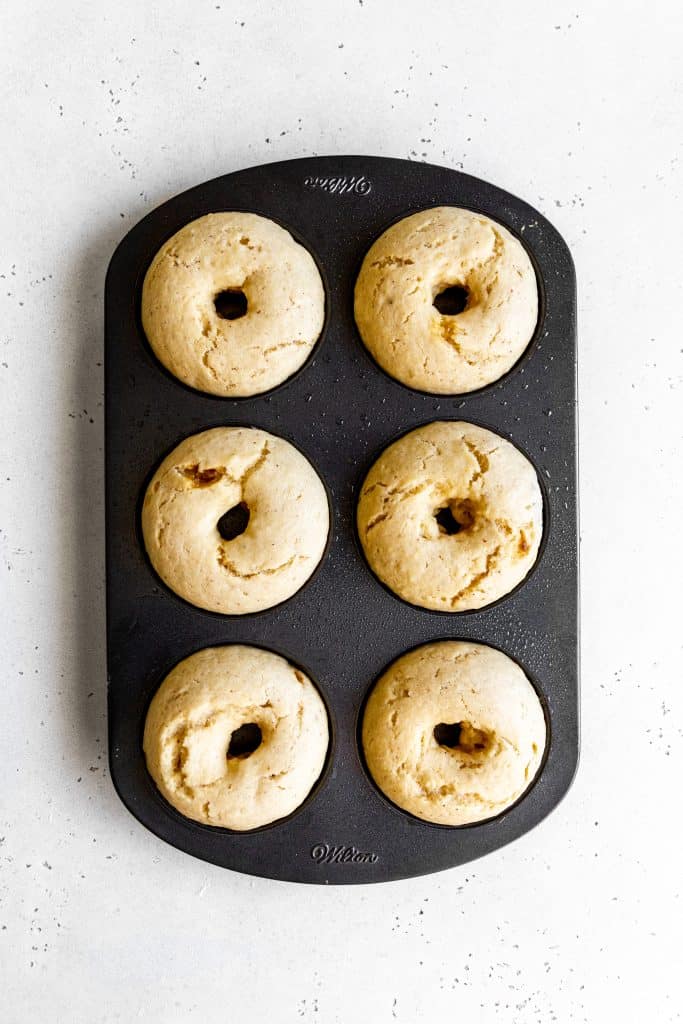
(343, 628)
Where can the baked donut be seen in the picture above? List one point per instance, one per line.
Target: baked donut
(236, 737)
(453, 732)
(235, 520)
(232, 305)
(446, 300)
(450, 516)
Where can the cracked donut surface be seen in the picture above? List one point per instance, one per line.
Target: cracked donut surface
(203, 701)
(209, 474)
(491, 493)
(233, 252)
(489, 709)
(410, 265)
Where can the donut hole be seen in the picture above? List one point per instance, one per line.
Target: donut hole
(244, 741)
(231, 304)
(452, 300)
(234, 522)
(448, 524)
(461, 736)
(456, 515)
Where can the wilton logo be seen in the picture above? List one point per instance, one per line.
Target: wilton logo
(359, 186)
(323, 853)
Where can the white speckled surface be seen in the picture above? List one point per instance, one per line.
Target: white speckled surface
(109, 111)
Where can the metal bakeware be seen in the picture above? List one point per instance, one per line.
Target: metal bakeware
(343, 628)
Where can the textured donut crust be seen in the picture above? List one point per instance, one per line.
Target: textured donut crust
(193, 715)
(453, 682)
(415, 260)
(204, 477)
(463, 467)
(285, 304)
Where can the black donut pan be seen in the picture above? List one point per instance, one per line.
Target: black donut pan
(343, 627)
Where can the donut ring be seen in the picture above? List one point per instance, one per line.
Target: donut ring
(438, 253)
(270, 290)
(235, 520)
(450, 516)
(453, 732)
(236, 737)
